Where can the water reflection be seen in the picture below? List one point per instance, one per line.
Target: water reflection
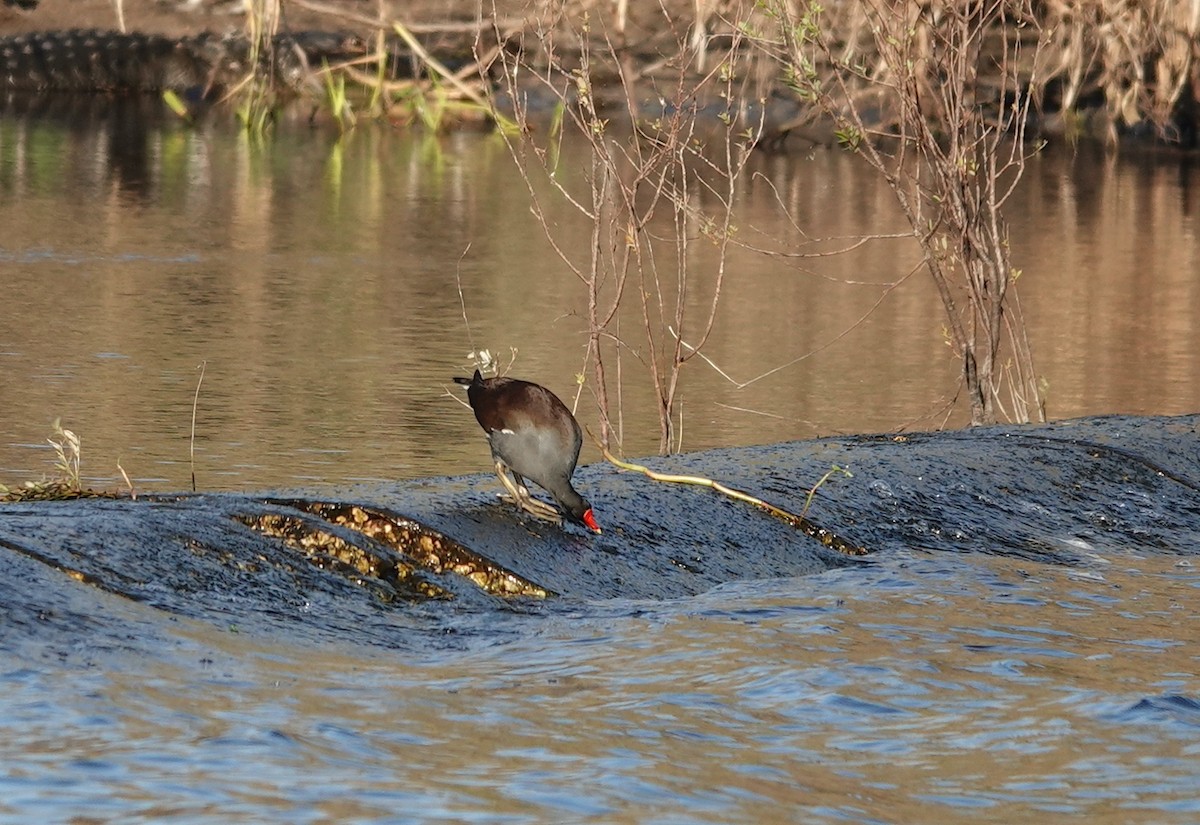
(318, 280)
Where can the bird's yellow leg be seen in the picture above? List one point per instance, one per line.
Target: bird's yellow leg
(519, 495)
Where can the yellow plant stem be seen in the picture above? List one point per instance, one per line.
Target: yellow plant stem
(450, 77)
(826, 537)
(435, 64)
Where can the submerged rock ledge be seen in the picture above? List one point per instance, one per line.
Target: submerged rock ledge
(364, 569)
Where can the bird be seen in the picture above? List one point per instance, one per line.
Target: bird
(533, 435)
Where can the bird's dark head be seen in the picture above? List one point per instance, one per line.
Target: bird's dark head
(581, 512)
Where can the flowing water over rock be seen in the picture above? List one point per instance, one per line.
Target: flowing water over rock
(343, 626)
(1020, 640)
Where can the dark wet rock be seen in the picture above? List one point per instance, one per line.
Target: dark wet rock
(1047, 493)
(387, 563)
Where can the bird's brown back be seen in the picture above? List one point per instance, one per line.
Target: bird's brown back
(512, 404)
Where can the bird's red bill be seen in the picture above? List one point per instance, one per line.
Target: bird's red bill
(589, 518)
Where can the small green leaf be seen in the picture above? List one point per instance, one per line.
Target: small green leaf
(175, 104)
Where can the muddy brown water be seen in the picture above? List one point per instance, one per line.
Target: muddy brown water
(316, 279)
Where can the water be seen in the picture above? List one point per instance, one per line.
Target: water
(316, 281)
(319, 282)
(922, 689)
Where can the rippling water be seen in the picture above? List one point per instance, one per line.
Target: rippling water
(918, 689)
(316, 279)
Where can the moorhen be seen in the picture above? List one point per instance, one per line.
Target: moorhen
(533, 434)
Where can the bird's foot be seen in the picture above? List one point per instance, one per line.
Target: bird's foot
(538, 509)
(518, 494)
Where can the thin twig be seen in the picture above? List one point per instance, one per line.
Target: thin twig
(741, 385)
(801, 522)
(752, 411)
(128, 483)
(462, 301)
(456, 397)
(341, 12)
(195, 402)
(450, 77)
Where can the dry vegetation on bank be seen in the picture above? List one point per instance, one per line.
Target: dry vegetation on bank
(1105, 67)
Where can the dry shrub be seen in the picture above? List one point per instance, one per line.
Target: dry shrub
(657, 181)
(1139, 54)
